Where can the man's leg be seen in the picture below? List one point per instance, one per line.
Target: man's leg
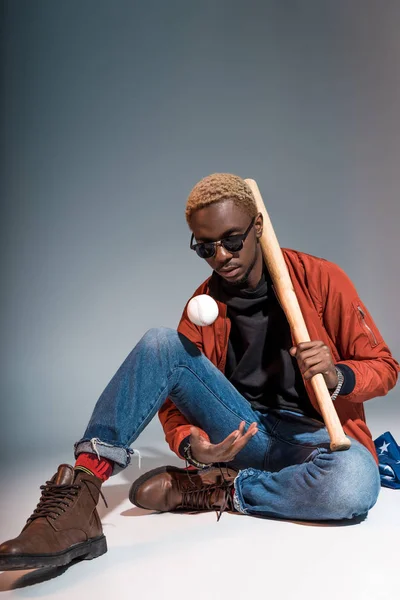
(289, 471)
(166, 364)
(300, 478)
(65, 525)
(307, 482)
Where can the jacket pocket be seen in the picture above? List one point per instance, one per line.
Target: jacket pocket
(367, 325)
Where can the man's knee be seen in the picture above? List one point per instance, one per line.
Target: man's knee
(356, 483)
(164, 338)
(159, 336)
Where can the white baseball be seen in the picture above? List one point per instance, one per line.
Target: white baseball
(202, 310)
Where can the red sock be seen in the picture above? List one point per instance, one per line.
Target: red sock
(101, 468)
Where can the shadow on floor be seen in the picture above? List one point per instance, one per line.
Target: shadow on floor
(138, 512)
(333, 523)
(12, 580)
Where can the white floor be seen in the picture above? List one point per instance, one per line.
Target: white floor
(173, 556)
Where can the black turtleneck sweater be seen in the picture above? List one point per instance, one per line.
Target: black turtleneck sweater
(258, 361)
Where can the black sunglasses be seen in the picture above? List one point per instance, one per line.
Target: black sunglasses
(232, 243)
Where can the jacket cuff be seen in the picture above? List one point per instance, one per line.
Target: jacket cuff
(349, 379)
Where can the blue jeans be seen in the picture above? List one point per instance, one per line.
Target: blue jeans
(286, 470)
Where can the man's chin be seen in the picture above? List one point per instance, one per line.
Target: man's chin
(240, 280)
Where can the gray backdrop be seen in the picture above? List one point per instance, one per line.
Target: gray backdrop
(113, 110)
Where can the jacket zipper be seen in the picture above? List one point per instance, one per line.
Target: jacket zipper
(367, 327)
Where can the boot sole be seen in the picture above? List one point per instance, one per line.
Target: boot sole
(85, 550)
(143, 478)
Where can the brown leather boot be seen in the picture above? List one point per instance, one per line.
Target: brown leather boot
(64, 526)
(170, 488)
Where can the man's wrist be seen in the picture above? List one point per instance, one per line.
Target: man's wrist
(333, 372)
(185, 450)
(187, 453)
(349, 379)
(340, 381)
(182, 445)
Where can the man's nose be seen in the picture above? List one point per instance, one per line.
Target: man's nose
(221, 254)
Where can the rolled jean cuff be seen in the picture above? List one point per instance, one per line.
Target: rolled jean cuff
(119, 455)
(238, 501)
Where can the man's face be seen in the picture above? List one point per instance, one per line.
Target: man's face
(218, 221)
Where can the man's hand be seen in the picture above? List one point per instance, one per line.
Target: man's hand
(313, 358)
(225, 451)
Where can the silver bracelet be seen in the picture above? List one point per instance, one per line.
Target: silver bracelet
(336, 391)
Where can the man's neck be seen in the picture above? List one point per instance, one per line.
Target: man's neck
(256, 273)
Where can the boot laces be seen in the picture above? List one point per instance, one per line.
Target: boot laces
(56, 497)
(201, 498)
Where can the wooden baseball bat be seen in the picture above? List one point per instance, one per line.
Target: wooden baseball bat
(278, 270)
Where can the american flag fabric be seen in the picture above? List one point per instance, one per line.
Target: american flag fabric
(389, 460)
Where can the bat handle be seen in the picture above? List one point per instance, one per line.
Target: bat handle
(339, 441)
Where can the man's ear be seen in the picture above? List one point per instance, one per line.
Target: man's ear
(258, 224)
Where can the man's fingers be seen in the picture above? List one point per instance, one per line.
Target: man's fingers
(237, 434)
(307, 348)
(241, 442)
(315, 369)
(307, 345)
(229, 440)
(233, 438)
(235, 442)
(229, 453)
(312, 352)
(251, 430)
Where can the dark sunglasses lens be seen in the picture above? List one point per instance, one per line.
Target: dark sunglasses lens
(205, 250)
(233, 244)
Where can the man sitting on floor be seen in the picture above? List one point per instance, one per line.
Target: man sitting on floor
(236, 392)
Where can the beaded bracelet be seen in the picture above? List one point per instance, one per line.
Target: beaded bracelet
(187, 453)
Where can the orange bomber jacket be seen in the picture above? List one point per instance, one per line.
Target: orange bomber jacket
(333, 313)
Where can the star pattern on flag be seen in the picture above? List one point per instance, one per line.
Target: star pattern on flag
(388, 451)
(384, 447)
